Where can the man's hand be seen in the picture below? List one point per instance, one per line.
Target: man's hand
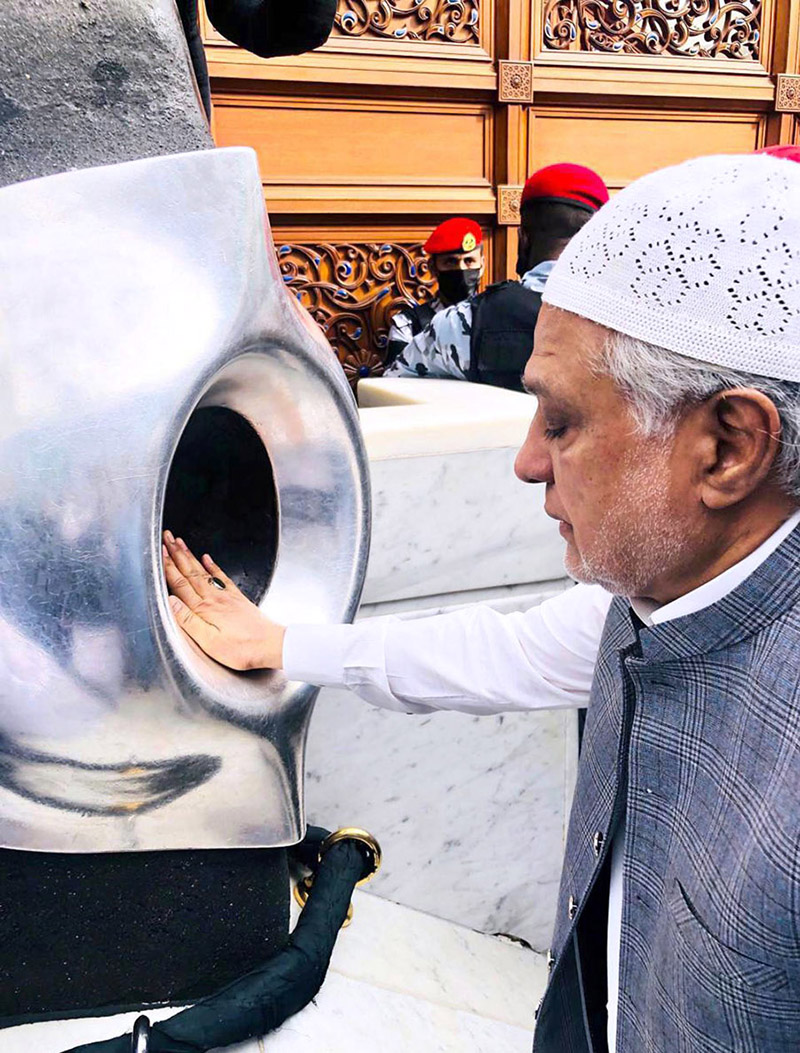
(222, 621)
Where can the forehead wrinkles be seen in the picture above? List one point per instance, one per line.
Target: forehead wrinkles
(566, 354)
(568, 336)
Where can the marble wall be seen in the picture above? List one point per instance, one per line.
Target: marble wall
(471, 811)
(456, 522)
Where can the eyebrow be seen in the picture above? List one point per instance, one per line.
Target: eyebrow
(536, 387)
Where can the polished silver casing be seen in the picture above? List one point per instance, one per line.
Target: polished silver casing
(132, 298)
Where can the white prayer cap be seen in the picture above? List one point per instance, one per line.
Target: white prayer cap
(702, 258)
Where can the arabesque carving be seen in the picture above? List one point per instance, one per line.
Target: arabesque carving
(685, 28)
(453, 20)
(352, 291)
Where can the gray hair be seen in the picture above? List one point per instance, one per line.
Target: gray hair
(660, 384)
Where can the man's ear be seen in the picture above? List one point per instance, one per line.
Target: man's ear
(483, 262)
(743, 430)
(432, 266)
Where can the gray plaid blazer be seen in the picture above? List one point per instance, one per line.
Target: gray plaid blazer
(694, 726)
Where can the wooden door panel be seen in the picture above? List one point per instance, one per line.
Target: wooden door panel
(736, 30)
(361, 154)
(395, 123)
(424, 43)
(624, 144)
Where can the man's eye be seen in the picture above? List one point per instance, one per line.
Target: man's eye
(555, 433)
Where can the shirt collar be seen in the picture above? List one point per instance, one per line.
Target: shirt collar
(537, 276)
(704, 595)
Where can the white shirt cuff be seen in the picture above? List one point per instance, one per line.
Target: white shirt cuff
(315, 654)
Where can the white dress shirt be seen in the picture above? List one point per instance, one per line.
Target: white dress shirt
(476, 660)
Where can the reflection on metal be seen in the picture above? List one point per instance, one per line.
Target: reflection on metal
(142, 313)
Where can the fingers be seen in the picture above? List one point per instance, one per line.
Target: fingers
(189, 567)
(179, 585)
(213, 568)
(192, 624)
(183, 557)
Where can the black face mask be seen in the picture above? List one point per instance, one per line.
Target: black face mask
(455, 286)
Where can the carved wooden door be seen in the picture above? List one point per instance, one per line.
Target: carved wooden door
(416, 110)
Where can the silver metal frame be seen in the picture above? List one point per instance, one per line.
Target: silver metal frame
(131, 296)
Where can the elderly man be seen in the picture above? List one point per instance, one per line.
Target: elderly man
(667, 434)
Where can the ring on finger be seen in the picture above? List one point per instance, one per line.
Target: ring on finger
(216, 582)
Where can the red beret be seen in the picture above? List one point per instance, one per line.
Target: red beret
(571, 184)
(454, 235)
(784, 151)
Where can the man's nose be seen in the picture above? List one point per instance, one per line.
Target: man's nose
(533, 463)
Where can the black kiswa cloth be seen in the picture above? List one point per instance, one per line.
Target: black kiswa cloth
(259, 1002)
(94, 934)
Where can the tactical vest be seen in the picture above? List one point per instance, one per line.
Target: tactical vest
(421, 315)
(693, 728)
(503, 320)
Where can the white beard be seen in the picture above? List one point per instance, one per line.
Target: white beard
(637, 540)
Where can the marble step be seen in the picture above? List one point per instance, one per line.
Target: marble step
(399, 980)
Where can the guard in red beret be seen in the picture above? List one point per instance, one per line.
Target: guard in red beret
(488, 338)
(556, 202)
(566, 183)
(455, 259)
(786, 151)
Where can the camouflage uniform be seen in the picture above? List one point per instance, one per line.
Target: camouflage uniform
(442, 349)
(402, 330)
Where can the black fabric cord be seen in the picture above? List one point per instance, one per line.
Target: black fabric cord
(260, 1001)
(265, 27)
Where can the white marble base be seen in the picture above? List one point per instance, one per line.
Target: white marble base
(458, 522)
(471, 811)
(449, 513)
(398, 981)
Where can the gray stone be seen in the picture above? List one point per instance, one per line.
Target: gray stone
(93, 82)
